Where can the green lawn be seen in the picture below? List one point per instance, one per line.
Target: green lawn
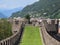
(31, 36)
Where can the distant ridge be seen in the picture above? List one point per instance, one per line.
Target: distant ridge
(2, 15)
(8, 12)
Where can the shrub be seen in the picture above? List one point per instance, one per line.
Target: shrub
(5, 29)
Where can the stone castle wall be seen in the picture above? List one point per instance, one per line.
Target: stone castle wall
(50, 26)
(48, 39)
(13, 39)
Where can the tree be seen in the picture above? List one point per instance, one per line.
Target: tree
(28, 18)
(5, 29)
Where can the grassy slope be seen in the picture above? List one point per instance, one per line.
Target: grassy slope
(31, 36)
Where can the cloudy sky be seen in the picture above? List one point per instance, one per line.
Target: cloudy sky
(10, 4)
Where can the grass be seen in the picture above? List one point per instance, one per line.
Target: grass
(31, 36)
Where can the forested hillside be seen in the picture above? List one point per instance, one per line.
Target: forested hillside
(42, 8)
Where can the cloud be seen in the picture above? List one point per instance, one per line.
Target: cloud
(3, 6)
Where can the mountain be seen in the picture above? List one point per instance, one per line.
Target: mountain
(42, 8)
(2, 15)
(9, 12)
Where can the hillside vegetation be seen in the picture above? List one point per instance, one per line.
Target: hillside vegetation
(42, 8)
(5, 29)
